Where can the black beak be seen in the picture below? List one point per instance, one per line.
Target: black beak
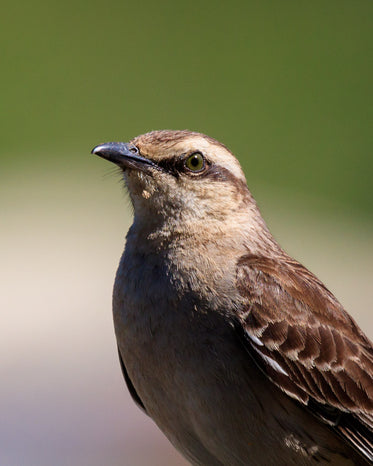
(125, 155)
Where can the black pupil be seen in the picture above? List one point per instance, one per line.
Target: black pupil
(195, 161)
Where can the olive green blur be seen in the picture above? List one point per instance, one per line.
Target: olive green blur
(285, 84)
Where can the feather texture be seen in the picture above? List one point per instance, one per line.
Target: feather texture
(305, 342)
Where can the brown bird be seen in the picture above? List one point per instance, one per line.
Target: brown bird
(238, 353)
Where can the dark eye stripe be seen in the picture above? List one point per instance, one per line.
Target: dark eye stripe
(176, 165)
(173, 165)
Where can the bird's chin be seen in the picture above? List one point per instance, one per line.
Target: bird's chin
(138, 183)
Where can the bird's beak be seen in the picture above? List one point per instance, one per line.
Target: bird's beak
(125, 155)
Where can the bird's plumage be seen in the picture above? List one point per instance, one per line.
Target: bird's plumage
(238, 352)
(305, 342)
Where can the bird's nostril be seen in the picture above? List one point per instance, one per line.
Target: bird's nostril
(133, 149)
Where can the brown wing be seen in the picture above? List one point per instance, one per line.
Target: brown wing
(304, 341)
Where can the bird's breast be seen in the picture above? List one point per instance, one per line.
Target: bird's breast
(174, 345)
(191, 372)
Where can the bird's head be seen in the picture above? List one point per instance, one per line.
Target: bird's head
(180, 175)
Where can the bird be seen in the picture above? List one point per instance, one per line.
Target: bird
(238, 352)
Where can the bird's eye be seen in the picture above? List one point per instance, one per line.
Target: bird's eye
(195, 162)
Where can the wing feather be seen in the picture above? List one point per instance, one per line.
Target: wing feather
(306, 343)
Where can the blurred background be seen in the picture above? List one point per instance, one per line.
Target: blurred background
(286, 85)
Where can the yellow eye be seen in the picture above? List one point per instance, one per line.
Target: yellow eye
(195, 162)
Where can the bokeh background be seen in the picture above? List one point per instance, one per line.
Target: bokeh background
(286, 85)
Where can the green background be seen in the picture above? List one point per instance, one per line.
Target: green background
(285, 84)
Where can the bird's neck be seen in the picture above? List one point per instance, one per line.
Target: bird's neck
(195, 238)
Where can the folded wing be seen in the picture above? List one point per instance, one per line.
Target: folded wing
(304, 341)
